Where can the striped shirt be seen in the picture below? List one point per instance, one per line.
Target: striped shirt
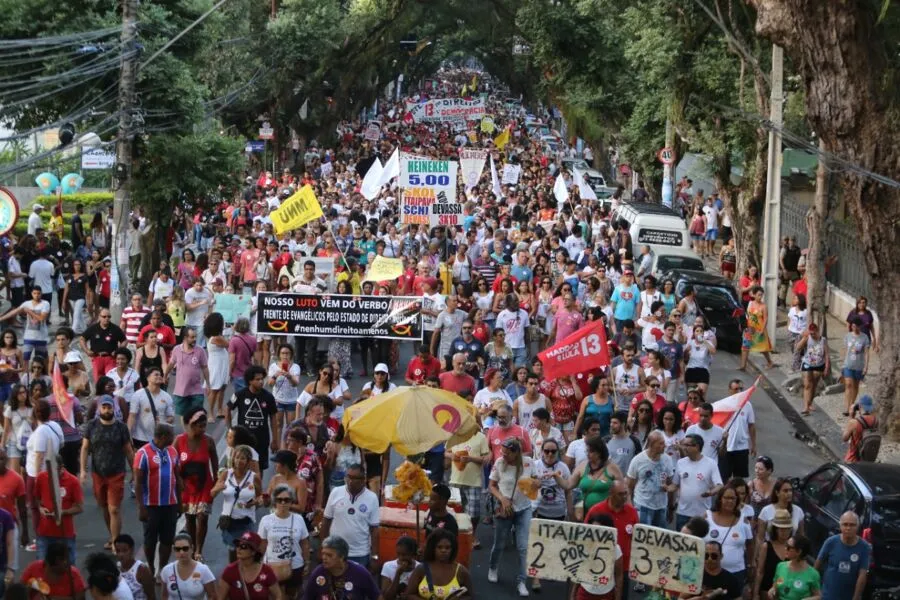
(157, 468)
(131, 321)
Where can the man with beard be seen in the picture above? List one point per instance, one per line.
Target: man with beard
(108, 441)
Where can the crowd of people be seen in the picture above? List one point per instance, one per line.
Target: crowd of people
(631, 443)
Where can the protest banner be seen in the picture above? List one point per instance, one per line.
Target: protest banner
(665, 559)
(487, 124)
(325, 270)
(511, 174)
(340, 316)
(429, 192)
(298, 210)
(327, 169)
(373, 131)
(442, 110)
(580, 352)
(564, 551)
(232, 306)
(471, 162)
(384, 269)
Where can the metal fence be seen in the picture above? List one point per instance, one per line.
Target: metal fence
(841, 239)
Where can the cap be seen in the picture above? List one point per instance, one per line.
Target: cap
(866, 403)
(252, 539)
(782, 519)
(106, 399)
(512, 444)
(72, 357)
(381, 368)
(38, 206)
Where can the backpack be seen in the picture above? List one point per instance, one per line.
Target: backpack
(869, 442)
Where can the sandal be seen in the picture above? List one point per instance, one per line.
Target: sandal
(805, 413)
(108, 545)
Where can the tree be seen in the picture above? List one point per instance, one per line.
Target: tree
(848, 63)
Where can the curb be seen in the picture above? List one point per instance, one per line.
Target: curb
(804, 430)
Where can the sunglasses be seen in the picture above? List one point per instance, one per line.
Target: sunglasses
(643, 410)
(283, 500)
(549, 451)
(181, 548)
(243, 546)
(712, 556)
(654, 385)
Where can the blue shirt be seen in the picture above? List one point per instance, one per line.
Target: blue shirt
(7, 524)
(841, 566)
(626, 299)
(521, 272)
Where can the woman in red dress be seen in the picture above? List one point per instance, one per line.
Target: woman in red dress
(198, 459)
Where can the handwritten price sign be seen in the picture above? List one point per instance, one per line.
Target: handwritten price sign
(665, 559)
(577, 552)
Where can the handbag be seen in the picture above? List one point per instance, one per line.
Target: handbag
(507, 513)
(224, 522)
(282, 568)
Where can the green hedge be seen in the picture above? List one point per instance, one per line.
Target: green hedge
(88, 199)
(21, 227)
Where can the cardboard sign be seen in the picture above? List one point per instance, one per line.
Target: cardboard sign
(471, 163)
(429, 192)
(384, 269)
(511, 174)
(666, 559)
(232, 306)
(563, 551)
(373, 131)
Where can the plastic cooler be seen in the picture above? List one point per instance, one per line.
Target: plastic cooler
(399, 522)
(454, 506)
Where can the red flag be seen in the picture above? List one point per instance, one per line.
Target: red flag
(582, 351)
(726, 409)
(59, 200)
(63, 399)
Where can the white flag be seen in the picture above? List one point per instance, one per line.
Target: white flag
(495, 181)
(560, 191)
(584, 189)
(304, 110)
(371, 184)
(391, 168)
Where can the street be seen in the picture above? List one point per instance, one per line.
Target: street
(775, 439)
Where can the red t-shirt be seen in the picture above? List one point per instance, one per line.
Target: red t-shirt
(463, 385)
(624, 520)
(563, 402)
(12, 487)
(497, 435)
(658, 402)
(104, 280)
(258, 589)
(64, 587)
(71, 495)
(164, 333)
(800, 287)
(419, 370)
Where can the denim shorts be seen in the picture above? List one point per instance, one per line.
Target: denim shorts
(855, 374)
(711, 234)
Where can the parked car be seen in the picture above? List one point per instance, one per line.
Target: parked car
(717, 300)
(872, 491)
(668, 258)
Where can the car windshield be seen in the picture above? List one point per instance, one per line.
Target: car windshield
(715, 297)
(595, 181)
(666, 263)
(886, 515)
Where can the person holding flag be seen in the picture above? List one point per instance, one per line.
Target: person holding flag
(735, 414)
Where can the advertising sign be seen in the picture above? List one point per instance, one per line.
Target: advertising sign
(429, 192)
(9, 210)
(666, 559)
(443, 110)
(563, 551)
(97, 158)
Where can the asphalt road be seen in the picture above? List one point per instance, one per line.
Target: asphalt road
(775, 439)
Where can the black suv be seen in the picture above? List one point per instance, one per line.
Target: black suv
(718, 302)
(872, 491)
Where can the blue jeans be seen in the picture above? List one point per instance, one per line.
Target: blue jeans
(239, 384)
(520, 357)
(44, 541)
(681, 520)
(656, 517)
(522, 522)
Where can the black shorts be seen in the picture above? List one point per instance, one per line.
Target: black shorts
(819, 369)
(373, 465)
(696, 375)
(160, 525)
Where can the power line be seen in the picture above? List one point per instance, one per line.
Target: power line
(60, 40)
(182, 33)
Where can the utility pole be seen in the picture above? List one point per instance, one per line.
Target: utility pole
(124, 157)
(668, 186)
(772, 216)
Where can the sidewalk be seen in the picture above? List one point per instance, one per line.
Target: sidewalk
(824, 426)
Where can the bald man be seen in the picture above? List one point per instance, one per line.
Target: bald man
(843, 562)
(623, 514)
(651, 476)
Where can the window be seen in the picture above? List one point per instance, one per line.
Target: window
(818, 485)
(843, 497)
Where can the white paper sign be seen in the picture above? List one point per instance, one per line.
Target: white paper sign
(563, 551)
(373, 131)
(471, 163)
(666, 559)
(511, 174)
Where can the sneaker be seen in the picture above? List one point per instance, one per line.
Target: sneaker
(492, 575)
(32, 547)
(523, 591)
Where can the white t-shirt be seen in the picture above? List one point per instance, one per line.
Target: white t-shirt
(195, 317)
(125, 385)
(739, 436)
(352, 518)
(733, 540)
(41, 271)
(389, 570)
(284, 391)
(768, 513)
(712, 217)
(712, 439)
(162, 289)
(190, 588)
(338, 392)
(578, 451)
(436, 303)
(144, 423)
(486, 397)
(514, 324)
(695, 478)
(505, 476)
(36, 331)
(47, 438)
(599, 590)
(284, 536)
(370, 387)
(122, 591)
(797, 320)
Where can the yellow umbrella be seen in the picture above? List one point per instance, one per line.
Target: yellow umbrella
(412, 419)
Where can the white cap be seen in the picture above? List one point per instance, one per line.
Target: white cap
(72, 357)
(381, 368)
(38, 206)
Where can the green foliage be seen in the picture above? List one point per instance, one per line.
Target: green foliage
(89, 199)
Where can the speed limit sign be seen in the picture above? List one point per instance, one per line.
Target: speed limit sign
(666, 156)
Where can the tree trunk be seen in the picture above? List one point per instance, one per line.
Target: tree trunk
(851, 103)
(815, 258)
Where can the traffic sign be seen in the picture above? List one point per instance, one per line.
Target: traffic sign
(255, 146)
(666, 156)
(266, 132)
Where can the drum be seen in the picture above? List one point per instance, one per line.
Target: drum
(399, 522)
(454, 506)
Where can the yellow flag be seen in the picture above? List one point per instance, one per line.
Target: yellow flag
(384, 269)
(501, 140)
(296, 211)
(474, 84)
(464, 92)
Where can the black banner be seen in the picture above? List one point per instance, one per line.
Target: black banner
(342, 316)
(661, 237)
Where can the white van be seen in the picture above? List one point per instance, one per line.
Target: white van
(654, 225)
